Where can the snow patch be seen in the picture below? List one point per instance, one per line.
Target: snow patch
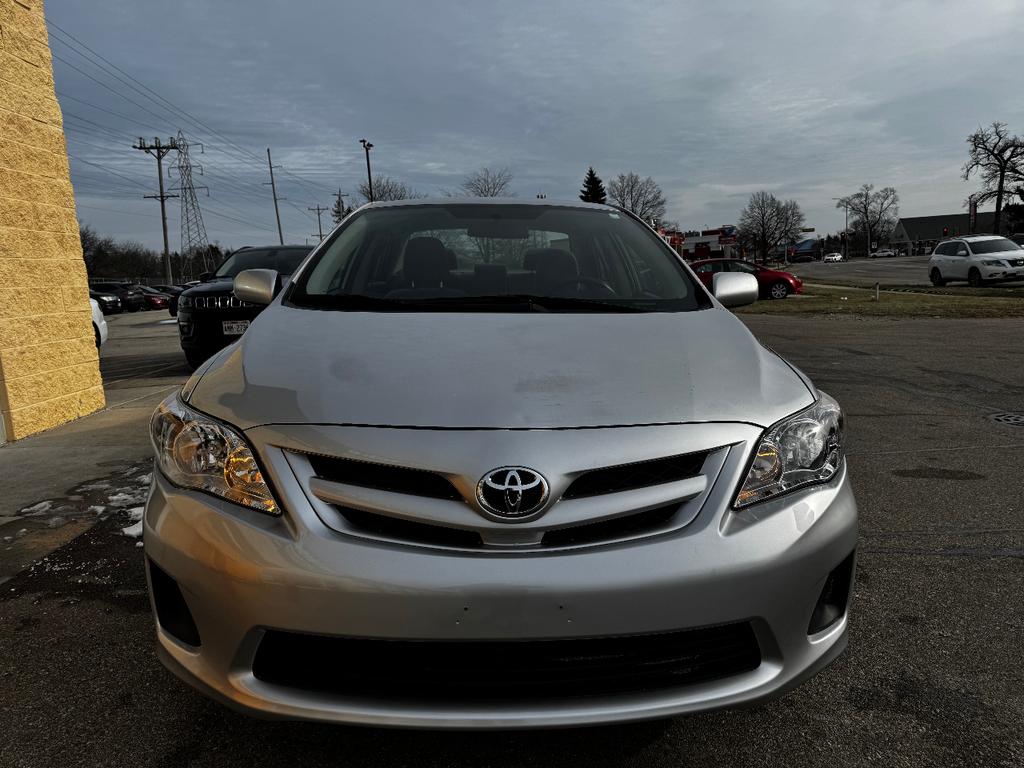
(133, 530)
(35, 509)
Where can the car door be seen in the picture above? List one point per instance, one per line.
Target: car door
(959, 260)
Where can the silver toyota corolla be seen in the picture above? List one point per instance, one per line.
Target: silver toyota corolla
(496, 464)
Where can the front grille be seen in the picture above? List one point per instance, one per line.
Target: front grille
(457, 671)
(627, 477)
(383, 477)
(219, 302)
(406, 530)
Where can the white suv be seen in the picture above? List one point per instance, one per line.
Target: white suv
(978, 259)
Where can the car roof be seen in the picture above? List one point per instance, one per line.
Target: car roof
(446, 201)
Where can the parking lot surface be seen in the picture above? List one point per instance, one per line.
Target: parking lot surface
(934, 675)
(902, 270)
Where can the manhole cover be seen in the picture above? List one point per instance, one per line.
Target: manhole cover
(1013, 419)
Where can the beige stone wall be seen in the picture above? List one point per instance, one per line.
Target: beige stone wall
(49, 370)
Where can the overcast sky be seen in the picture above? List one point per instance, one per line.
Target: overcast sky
(714, 100)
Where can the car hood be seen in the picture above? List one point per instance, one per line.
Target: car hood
(497, 371)
(218, 285)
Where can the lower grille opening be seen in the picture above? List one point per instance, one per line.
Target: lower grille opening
(831, 604)
(526, 669)
(408, 531)
(611, 530)
(171, 609)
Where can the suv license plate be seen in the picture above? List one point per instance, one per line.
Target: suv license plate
(234, 327)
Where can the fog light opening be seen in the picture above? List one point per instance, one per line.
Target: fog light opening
(834, 596)
(171, 609)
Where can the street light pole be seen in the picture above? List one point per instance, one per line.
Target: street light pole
(367, 146)
(846, 227)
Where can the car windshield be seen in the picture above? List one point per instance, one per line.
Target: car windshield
(284, 260)
(996, 245)
(472, 257)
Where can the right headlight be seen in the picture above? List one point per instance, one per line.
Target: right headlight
(184, 302)
(802, 449)
(195, 451)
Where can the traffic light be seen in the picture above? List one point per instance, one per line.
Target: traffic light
(945, 231)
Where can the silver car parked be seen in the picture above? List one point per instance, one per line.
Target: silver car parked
(497, 464)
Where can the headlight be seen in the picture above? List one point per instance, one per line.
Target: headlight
(194, 451)
(994, 263)
(184, 302)
(804, 448)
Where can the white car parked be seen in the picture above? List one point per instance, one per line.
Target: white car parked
(832, 257)
(978, 259)
(99, 323)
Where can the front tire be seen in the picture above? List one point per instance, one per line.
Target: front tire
(936, 278)
(974, 278)
(778, 290)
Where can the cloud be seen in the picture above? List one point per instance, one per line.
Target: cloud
(714, 100)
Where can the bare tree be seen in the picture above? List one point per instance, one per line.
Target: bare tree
(767, 222)
(640, 196)
(488, 183)
(998, 158)
(872, 212)
(387, 188)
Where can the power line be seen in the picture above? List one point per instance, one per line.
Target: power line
(108, 170)
(109, 88)
(157, 96)
(147, 126)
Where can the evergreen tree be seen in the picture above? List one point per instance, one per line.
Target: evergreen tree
(593, 188)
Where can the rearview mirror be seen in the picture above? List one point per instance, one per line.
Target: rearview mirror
(258, 286)
(205, 277)
(734, 289)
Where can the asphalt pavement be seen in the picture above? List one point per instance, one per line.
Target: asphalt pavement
(934, 675)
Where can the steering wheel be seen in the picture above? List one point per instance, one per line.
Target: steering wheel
(605, 290)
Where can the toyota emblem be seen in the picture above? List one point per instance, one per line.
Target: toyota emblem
(512, 493)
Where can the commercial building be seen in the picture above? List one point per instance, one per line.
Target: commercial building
(49, 368)
(920, 234)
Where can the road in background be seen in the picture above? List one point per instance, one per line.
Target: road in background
(933, 675)
(903, 270)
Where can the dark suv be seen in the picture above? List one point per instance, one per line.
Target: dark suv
(210, 316)
(132, 299)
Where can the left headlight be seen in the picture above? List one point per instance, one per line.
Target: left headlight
(802, 449)
(994, 263)
(194, 451)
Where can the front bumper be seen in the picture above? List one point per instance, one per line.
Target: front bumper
(203, 329)
(243, 573)
(1002, 273)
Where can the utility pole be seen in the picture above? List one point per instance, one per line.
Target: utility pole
(319, 226)
(341, 205)
(273, 190)
(846, 227)
(367, 146)
(158, 150)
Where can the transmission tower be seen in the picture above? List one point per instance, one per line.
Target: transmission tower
(194, 243)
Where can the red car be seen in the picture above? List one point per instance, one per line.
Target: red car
(772, 283)
(154, 298)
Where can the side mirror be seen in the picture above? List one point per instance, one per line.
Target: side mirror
(258, 286)
(734, 289)
(205, 277)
